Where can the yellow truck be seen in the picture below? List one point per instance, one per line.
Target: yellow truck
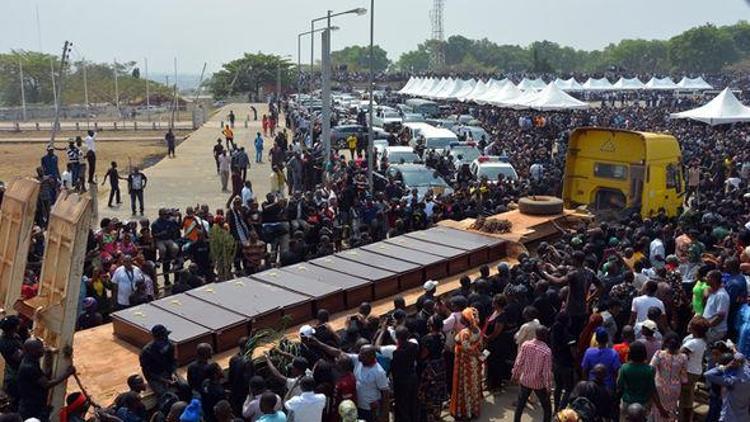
(608, 169)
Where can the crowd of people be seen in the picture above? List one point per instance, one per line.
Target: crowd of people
(616, 320)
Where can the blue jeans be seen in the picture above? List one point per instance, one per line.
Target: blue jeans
(258, 155)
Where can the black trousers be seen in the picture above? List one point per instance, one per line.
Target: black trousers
(114, 192)
(136, 195)
(91, 158)
(523, 397)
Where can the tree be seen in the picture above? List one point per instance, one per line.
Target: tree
(249, 73)
(357, 58)
(702, 49)
(414, 61)
(36, 76)
(639, 56)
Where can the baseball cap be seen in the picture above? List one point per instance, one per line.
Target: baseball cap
(430, 285)
(159, 330)
(306, 331)
(601, 334)
(651, 325)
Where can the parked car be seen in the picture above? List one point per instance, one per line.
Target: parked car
(491, 167)
(399, 154)
(420, 177)
(475, 133)
(464, 153)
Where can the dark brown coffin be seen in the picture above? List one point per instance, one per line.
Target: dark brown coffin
(434, 266)
(324, 296)
(385, 283)
(458, 259)
(263, 304)
(226, 326)
(497, 247)
(134, 326)
(410, 274)
(478, 251)
(356, 290)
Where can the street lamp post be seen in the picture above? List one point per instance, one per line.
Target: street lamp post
(370, 135)
(299, 55)
(326, 79)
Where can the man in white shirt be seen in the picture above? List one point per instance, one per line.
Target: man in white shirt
(641, 304)
(124, 279)
(247, 193)
(372, 384)
(656, 253)
(90, 143)
(717, 307)
(307, 406)
(66, 178)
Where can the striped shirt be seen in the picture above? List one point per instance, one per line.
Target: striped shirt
(533, 367)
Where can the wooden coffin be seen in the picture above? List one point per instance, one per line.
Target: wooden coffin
(478, 251)
(434, 266)
(134, 326)
(356, 290)
(226, 326)
(409, 274)
(385, 283)
(323, 295)
(458, 259)
(496, 246)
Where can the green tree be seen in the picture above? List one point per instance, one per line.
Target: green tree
(702, 49)
(357, 58)
(638, 56)
(414, 61)
(249, 73)
(36, 76)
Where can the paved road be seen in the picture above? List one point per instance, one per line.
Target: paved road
(45, 140)
(191, 177)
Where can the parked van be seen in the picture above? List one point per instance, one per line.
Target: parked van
(424, 107)
(619, 169)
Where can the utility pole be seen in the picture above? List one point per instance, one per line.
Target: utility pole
(199, 88)
(370, 88)
(312, 58)
(54, 87)
(148, 100)
(59, 88)
(326, 94)
(23, 92)
(117, 91)
(176, 108)
(86, 92)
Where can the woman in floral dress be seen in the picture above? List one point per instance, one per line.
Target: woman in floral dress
(466, 396)
(671, 372)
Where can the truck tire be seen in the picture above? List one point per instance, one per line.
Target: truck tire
(540, 205)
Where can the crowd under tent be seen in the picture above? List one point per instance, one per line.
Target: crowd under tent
(725, 108)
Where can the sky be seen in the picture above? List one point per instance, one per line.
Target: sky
(217, 31)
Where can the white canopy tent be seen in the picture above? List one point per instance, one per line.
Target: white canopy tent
(479, 89)
(417, 87)
(724, 108)
(628, 84)
(505, 95)
(493, 87)
(661, 84)
(531, 84)
(410, 83)
(466, 88)
(550, 98)
(444, 90)
(436, 88)
(693, 84)
(568, 84)
(601, 84)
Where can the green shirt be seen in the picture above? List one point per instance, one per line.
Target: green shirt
(699, 291)
(636, 381)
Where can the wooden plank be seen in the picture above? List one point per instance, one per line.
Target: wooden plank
(16, 222)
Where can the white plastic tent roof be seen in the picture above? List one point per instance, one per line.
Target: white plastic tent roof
(493, 87)
(531, 84)
(628, 84)
(568, 84)
(435, 89)
(479, 89)
(693, 83)
(724, 108)
(505, 95)
(467, 87)
(601, 84)
(552, 98)
(661, 83)
(408, 85)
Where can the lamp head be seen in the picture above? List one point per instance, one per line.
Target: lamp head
(360, 11)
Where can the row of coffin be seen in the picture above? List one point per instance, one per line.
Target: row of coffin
(221, 313)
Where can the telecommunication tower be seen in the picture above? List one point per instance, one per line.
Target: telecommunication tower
(437, 60)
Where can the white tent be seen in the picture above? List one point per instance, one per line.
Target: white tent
(467, 87)
(693, 84)
(444, 90)
(568, 84)
(531, 84)
(505, 95)
(479, 89)
(661, 84)
(416, 86)
(409, 84)
(601, 84)
(493, 88)
(724, 108)
(628, 84)
(551, 98)
(436, 88)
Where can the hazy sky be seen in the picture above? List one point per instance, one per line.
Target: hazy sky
(215, 31)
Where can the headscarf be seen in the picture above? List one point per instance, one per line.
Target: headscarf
(595, 321)
(193, 412)
(348, 411)
(471, 316)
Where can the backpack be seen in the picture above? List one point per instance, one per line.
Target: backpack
(584, 408)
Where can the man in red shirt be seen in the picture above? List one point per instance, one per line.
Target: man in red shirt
(623, 349)
(533, 372)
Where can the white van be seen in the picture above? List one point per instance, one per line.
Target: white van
(437, 138)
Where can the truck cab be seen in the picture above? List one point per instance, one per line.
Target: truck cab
(608, 169)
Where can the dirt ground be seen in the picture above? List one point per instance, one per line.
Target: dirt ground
(68, 134)
(20, 160)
